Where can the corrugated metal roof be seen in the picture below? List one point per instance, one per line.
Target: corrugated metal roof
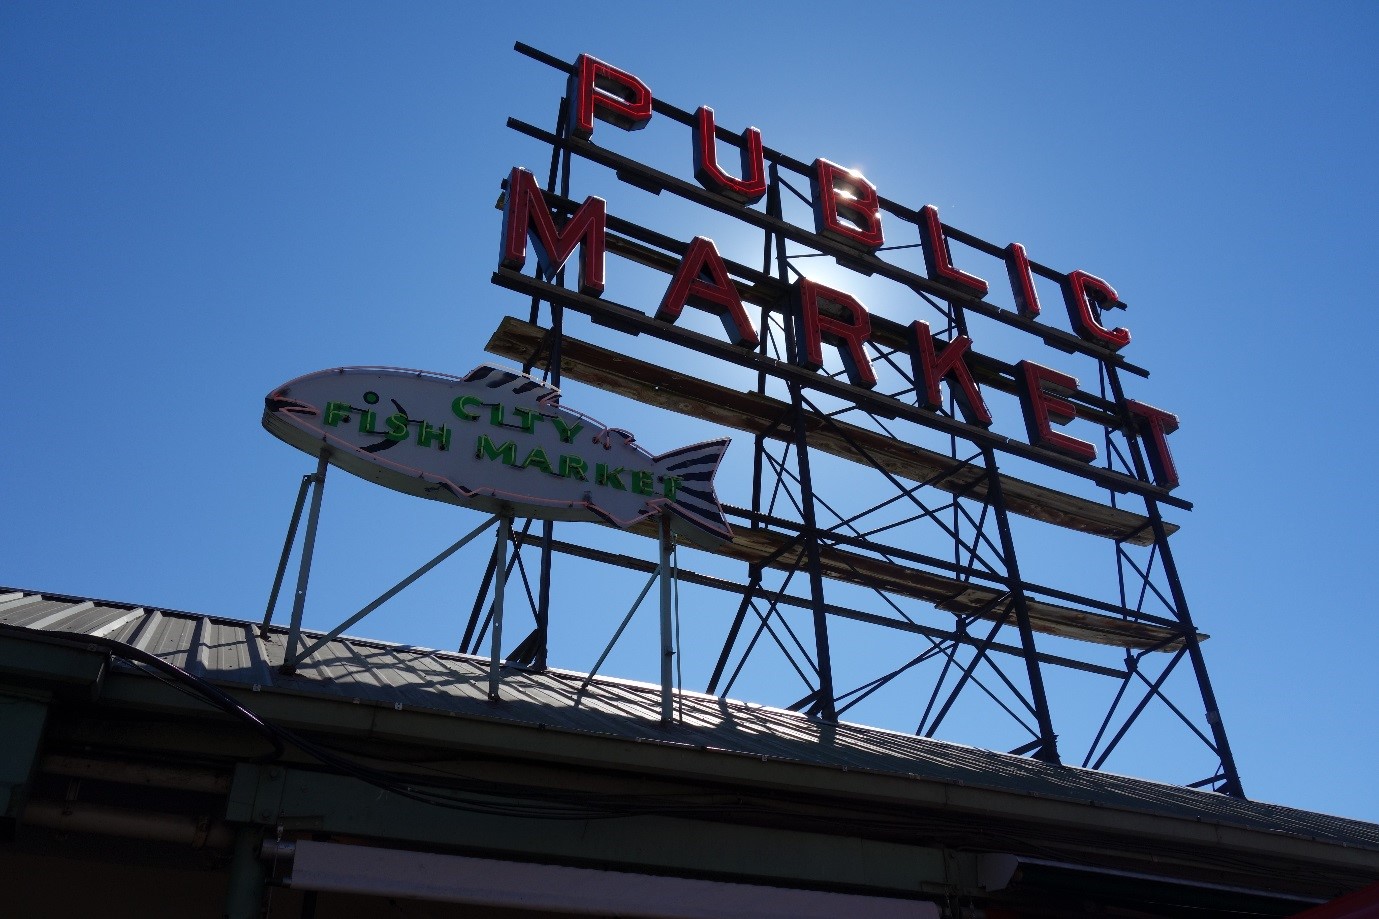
(231, 652)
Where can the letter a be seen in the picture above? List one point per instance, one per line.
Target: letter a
(717, 294)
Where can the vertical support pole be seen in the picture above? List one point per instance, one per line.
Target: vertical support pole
(758, 464)
(823, 700)
(244, 899)
(543, 598)
(667, 637)
(560, 167)
(499, 589)
(1048, 740)
(1232, 785)
(294, 635)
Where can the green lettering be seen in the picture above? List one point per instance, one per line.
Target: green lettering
(336, 412)
(605, 476)
(426, 433)
(495, 415)
(506, 454)
(463, 404)
(566, 432)
(529, 418)
(397, 427)
(572, 467)
(537, 458)
(642, 483)
(367, 419)
(670, 484)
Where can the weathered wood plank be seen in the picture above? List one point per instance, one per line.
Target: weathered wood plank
(758, 414)
(946, 593)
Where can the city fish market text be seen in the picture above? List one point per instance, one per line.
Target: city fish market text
(398, 427)
(496, 440)
(847, 211)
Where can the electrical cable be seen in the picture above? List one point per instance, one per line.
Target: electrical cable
(550, 804)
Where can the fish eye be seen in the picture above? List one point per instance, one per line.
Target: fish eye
(371, 397)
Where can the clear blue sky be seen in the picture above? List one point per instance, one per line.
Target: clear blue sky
(201, 201)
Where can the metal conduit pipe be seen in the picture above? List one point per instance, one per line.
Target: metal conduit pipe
(78, 817)
(182, 778)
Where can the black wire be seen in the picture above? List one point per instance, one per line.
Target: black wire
(547, 805)
(550, 804)
(198, 687)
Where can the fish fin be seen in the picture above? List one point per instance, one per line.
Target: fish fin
(695, 502)
(504, 380)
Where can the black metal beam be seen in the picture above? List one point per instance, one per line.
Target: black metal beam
(635, 173)
(634, 322)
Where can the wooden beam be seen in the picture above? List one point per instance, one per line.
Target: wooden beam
(757, 414)
(944, 592)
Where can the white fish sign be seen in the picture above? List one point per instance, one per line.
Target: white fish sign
(494, 439)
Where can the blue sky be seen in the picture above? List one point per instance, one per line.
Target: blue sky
(203, 201)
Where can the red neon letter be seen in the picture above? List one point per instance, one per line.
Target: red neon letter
(1021, 281)
(930, 367)
(746, 190)
(612, 95)
(1043, 409)
(1160, 424)
(840, 193)
(702, 281)
(848, 332)
(525, 215)
(1080, 291)
(938, 261)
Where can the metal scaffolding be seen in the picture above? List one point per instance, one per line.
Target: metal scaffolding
(977, 619)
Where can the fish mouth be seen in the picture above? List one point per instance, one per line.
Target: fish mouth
(288, 406)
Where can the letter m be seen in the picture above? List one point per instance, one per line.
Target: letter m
(506, 454)
(525, 215)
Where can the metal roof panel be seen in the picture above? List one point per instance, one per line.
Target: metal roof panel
(232, 652)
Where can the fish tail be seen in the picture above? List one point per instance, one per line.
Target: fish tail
(692, 497)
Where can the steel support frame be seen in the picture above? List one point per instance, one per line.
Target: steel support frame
(1229, 774)
(823, 699)
(313, 485)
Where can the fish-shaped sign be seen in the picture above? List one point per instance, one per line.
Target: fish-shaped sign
(491, 440)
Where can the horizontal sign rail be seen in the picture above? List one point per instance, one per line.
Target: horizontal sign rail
(842, 612)
(663, 253)
(635, 173)
(629, 170)
(627, 319)
(782, 551)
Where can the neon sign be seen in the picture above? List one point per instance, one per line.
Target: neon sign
(848, 216)
(495, 440)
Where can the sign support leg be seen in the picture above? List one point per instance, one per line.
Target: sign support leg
(307, 481)
(823, 703)
(294, 634)
(1231, 775)
(1046, 747)
(391, 592)
(501, 564)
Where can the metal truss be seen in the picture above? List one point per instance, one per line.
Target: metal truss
(935, 555)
